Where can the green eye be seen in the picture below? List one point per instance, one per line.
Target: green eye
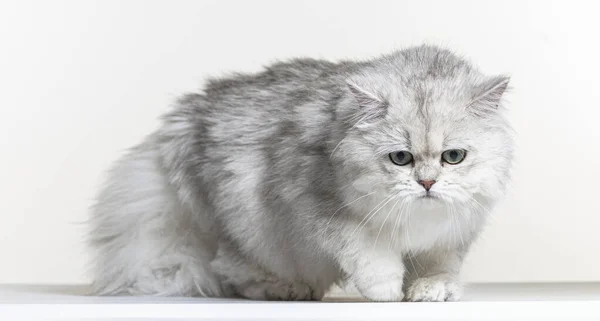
(401, 158)
(454, 156)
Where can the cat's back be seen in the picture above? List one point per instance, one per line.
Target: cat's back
(252, 108)
(280, 78)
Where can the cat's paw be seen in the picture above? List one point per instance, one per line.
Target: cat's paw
(433, 289)
(279, 291)
(389, 290)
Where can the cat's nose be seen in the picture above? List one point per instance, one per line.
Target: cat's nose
(427, 183)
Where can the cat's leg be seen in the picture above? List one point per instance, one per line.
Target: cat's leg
(240, 277)
(377, 275)
(377, 272)
(434, 275)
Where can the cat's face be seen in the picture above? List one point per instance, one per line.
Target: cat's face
(437, 151)
(441, 158)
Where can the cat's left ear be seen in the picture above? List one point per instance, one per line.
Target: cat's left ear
(372, 106)
(488, 95)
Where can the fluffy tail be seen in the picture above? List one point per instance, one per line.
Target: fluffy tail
(145, 241)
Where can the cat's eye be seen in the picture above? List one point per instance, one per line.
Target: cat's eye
(401, 158)
(454, 156)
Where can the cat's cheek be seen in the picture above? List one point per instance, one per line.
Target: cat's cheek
(365, 183)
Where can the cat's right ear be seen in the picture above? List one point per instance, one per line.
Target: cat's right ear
(371, 106)
(488, 95)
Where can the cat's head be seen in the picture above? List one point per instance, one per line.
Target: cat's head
(424, 125)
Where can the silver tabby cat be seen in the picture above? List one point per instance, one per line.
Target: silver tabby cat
(279, 184)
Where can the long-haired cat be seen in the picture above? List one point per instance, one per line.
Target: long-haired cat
(278, 184)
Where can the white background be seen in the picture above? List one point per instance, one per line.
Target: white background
(80, 81)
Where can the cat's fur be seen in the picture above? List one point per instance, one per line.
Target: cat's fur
(277, 185)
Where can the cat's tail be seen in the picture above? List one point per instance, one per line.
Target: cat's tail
(144, 240)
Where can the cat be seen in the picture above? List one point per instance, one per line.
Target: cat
(279, 184)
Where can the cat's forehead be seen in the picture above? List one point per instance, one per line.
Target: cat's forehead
(430, 133)
(425, 139)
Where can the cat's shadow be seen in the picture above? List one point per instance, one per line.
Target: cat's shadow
(83, 292)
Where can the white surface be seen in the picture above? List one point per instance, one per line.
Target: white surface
(83, 80)
(482, 302)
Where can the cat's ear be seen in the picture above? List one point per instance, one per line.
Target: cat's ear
(372, 106)
(488, 95)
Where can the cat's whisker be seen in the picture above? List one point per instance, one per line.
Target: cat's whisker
(454, 227)
(406, 235)
(408, 212)
(345, 205)
(449, 213)
(481, 206)
(410, 257)
(451, 219)
(396, 224)
(386, 218)
(336, 147)
(371, 214)
(485, 209)
(404, 211)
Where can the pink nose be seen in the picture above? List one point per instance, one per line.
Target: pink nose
(427, 183)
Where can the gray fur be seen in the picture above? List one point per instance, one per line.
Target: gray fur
(277, 185)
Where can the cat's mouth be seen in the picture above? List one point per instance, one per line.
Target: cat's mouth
(429, 196)
(430, 201)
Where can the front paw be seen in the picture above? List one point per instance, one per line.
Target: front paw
(433, 289)
(385, 290)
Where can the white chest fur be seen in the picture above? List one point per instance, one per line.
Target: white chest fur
(414, 226)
